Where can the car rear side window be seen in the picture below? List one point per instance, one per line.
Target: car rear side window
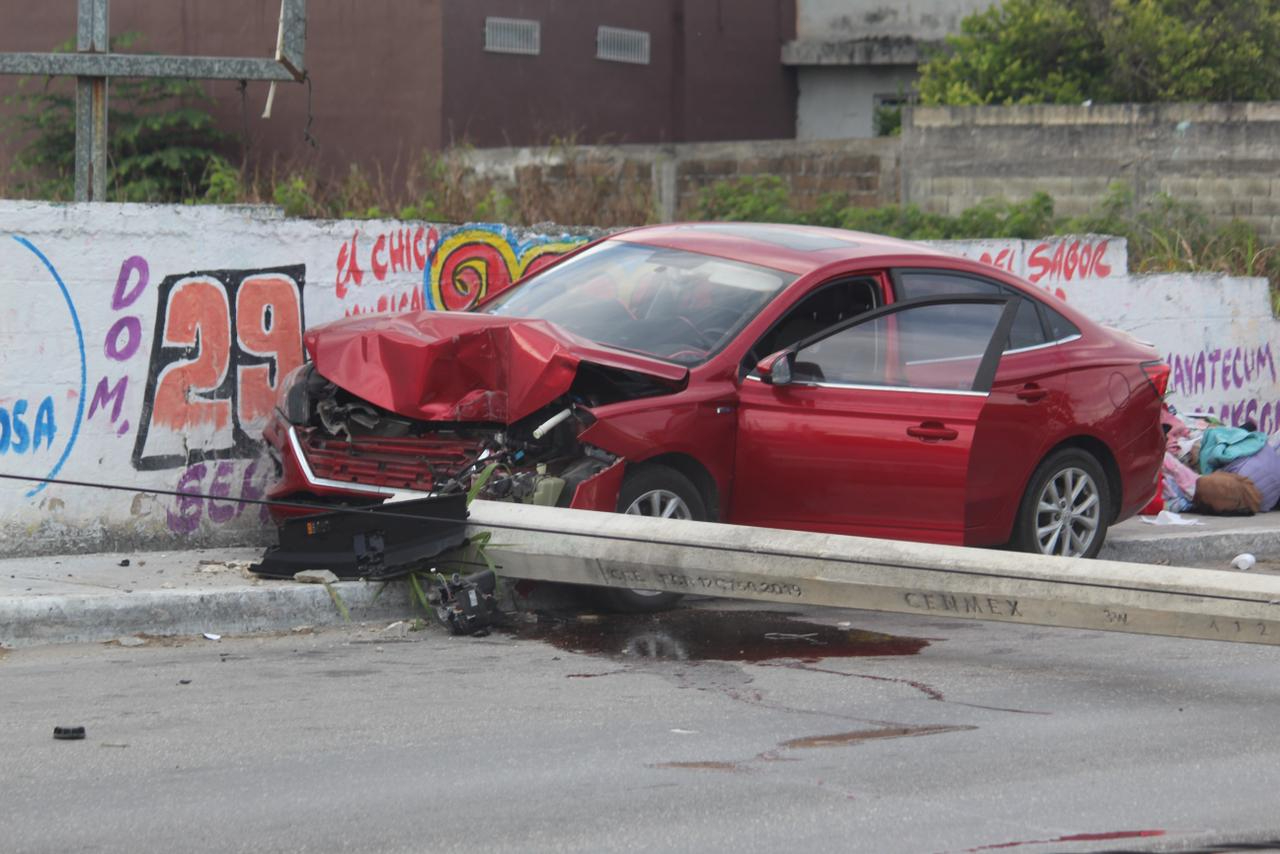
(1027, 331)
(1059, 326)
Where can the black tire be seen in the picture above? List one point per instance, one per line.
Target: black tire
(637, 496)
(1068, 493)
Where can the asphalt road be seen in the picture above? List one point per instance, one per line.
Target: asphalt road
(941, 737)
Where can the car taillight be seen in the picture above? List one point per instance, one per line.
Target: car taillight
(1158, 375)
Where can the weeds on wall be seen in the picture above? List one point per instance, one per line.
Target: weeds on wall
(1164, 234)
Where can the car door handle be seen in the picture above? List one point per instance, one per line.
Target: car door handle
(1032, 392)
(932, 430)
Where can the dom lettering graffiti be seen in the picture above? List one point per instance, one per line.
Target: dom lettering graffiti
(122, 341)
(223, 341)
(471, 263)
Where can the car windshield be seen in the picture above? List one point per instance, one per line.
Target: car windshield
(676, 305)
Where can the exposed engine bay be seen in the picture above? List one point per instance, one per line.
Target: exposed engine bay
(343, 440)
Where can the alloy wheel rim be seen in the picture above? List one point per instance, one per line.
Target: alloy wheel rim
(662, 504)
(1067, 514)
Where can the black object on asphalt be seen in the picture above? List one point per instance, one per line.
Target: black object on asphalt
(466, 604)
(68, 733)
(363, 545)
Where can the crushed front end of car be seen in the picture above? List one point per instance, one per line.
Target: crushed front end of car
(425, 404)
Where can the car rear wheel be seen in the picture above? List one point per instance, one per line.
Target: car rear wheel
(660, 492)
(1066, 508)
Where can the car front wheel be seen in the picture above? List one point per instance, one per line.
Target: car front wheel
(1066, 508)
(661, 492)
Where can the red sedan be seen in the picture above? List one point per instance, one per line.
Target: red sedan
(769, 375)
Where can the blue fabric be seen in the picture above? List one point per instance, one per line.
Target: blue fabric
(1221, 445)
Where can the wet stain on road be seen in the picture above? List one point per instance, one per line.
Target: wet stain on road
(702, 635)
(730, 767)
(841, 739)
(1075, 837)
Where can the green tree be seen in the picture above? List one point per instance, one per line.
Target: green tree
(1068, 51)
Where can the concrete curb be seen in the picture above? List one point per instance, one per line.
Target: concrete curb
(35, 620)
(1188, 546)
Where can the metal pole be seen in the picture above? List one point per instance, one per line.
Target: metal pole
(99, 146)
(91, 105)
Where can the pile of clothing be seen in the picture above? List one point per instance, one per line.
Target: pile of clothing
(1212, 468)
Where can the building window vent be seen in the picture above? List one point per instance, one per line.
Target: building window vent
(617, 45)
(512, 35)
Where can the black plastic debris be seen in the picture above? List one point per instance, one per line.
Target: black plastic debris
(465, 605)
(378, 545)
(68, 733)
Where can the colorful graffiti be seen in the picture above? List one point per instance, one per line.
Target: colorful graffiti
(223, 341)
(474, 262)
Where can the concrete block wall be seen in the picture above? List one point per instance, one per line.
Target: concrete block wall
(1224, 157)
(674, 177)
(144, 345)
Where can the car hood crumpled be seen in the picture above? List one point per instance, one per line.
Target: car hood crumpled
(459, 366)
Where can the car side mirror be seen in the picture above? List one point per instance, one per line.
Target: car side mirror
(776, 369)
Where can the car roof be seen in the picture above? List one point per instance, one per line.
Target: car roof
(795, 249)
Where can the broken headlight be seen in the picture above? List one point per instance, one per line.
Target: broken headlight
(294, 402)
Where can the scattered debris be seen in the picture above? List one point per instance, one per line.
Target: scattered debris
(315, 576)
(465, 606)
(184, 681)
(1244, 561)
(124, 562)
(131, 641)
(211, 566)
(1168, 517)
(68, 733)
(398, 629)
(685, 731)
(212, 636)
(303, 630)
(113, 744)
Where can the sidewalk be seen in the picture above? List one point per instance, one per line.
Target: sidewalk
(96, 597)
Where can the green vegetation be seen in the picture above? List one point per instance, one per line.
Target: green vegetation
(1164, 234)
(1069, 51)
(163, 147)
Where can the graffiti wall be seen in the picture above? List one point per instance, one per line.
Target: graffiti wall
(143, 346)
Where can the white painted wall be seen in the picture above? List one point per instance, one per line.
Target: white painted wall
(102, 377)
(838, 102)
(103, 380)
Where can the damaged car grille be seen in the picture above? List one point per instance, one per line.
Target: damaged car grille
(420, 463)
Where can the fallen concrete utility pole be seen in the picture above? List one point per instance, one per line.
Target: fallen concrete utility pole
(614, 550)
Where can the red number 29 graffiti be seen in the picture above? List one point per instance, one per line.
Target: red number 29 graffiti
(223, 342)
